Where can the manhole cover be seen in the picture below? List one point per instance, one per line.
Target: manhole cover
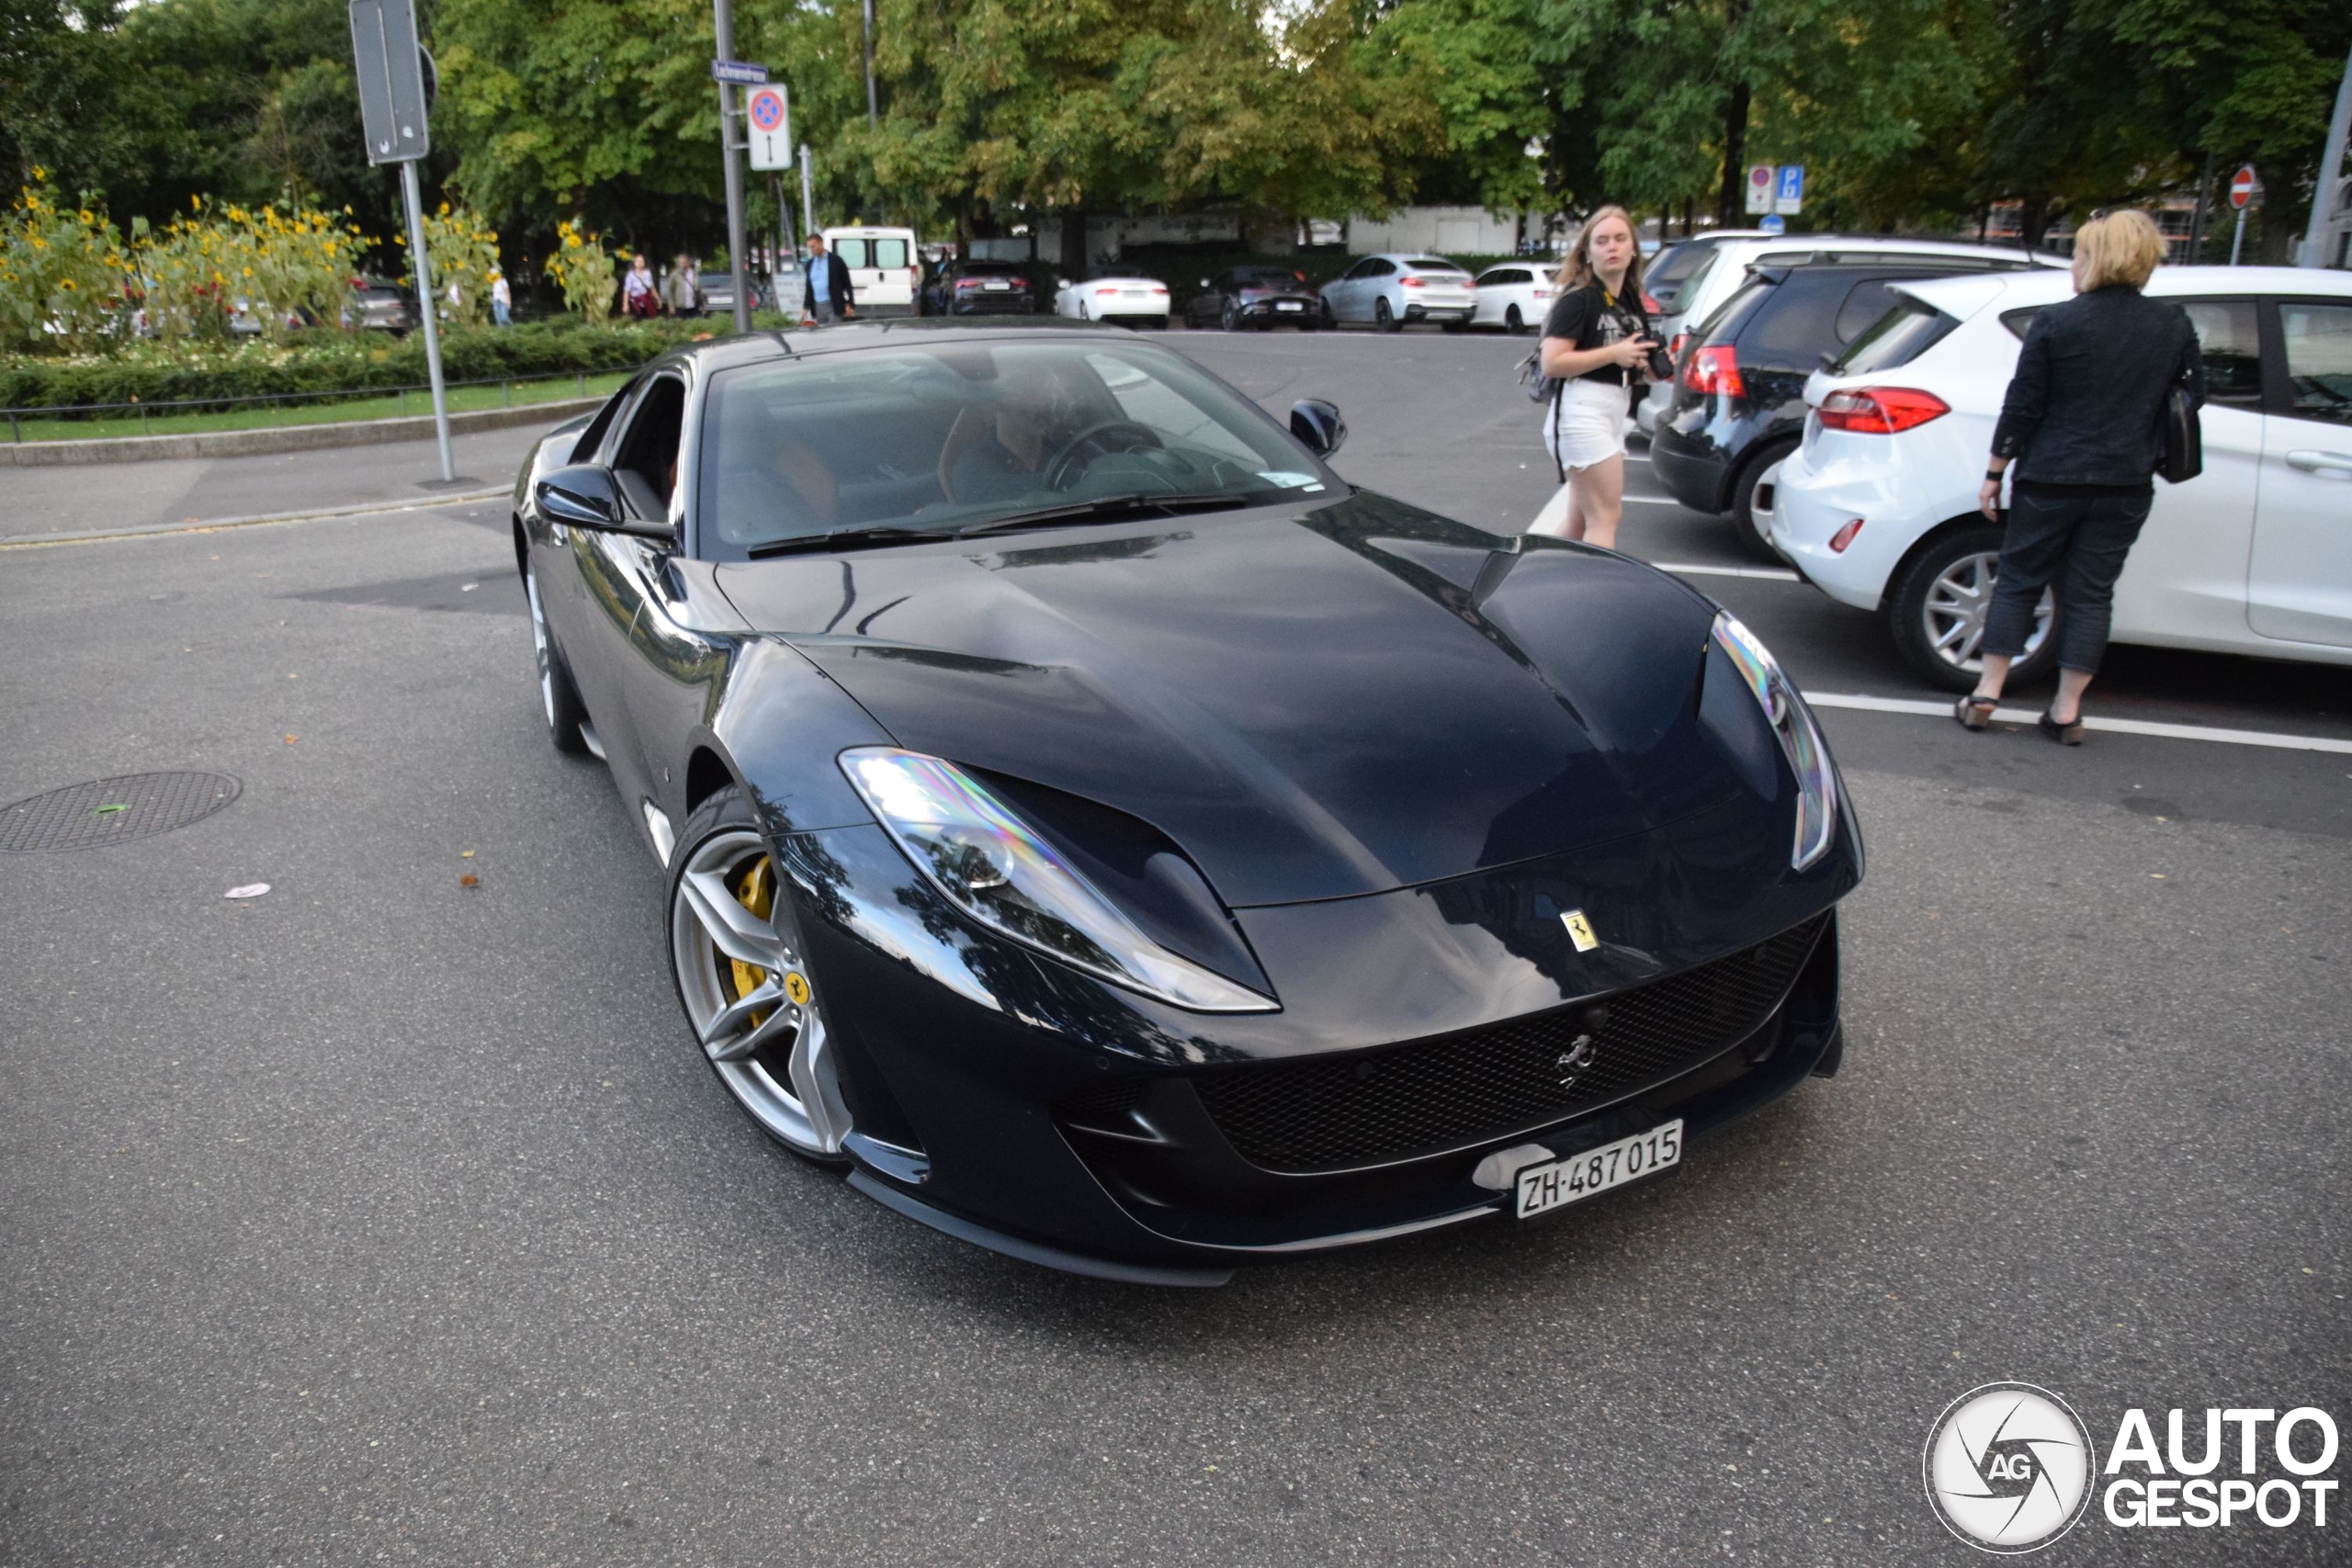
(112, 811)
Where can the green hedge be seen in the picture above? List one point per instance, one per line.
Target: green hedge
(336, 361)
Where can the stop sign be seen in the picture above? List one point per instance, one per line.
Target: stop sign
(2242, 188)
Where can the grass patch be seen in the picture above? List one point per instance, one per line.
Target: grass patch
(264, 416)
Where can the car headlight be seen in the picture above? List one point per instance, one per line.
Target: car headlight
(1801, 741)
(991, 865)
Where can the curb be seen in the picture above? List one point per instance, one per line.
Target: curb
(281, 438)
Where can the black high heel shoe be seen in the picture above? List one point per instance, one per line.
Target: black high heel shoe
(2070, 734)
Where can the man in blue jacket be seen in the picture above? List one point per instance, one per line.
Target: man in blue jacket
(828, 292)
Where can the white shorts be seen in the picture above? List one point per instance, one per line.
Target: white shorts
(1590, 423)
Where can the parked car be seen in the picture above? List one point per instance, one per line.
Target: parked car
(717, 291)
(1738, 398)
(1516, 297)
(981, 289)
(378, 306)
(1720, 263)
(885, 269)
(1259, 297)
(1399, 288)
(1115, 297)
(1878, 506)
(1029, 853)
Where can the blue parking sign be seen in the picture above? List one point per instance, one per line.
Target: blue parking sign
(1789, 197)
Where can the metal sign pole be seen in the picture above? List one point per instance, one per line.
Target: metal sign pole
(808, 193)
(2238, 239)
(723, 13)
(423, 268)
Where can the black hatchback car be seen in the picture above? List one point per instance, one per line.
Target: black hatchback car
(1255, 296)
(983, 288)
(1738, 403)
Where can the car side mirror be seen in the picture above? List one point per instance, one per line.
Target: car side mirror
(1319, 425)
(585, 495)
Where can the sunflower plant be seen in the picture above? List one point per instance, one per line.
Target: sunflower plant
(66, 281)
(582, 268)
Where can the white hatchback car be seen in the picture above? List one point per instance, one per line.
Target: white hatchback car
(1516, 297)
(1705, 278)
(1878, 507)
(1137, 301)
(1392, 289)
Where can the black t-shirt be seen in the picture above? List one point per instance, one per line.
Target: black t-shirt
(1589, 318)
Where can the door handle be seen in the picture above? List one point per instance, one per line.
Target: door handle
(2312, 462)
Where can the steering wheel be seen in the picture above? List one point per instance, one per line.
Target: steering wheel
(1064, 466)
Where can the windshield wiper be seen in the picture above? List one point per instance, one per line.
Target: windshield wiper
(1108, 508)
(846, 539)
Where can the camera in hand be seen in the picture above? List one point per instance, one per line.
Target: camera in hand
(1660, 366)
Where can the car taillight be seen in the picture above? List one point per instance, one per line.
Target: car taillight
(1160, 288)
(1681, 341)
(1106, 291)
(1880, 411)
(1413, 282)
(1020, 282)
(1714, 368)
(1649, 303)
(1300, 276)
(1844, 537)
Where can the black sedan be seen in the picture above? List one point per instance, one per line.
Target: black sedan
(1120, 842)
(1256, 298)
(982, 288)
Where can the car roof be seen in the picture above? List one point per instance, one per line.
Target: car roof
(1411, 256)
(1829, 246)
(1963, 297)
(753, 348)
(858, 230)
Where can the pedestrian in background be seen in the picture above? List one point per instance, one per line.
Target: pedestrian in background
(828, 293)
(501, 300)
(639, 297)
(2080, 421)
(678, 290)
(1597, 347)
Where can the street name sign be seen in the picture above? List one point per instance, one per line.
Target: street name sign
(1790, 197)
(741, 73)
(1759, 187)
(767, 126)
(390, 69)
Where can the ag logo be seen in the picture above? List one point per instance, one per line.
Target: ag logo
(1575, 1059)
(2008, 1468)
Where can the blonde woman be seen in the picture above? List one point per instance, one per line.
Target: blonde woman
(1597, 344)
(2079, 423)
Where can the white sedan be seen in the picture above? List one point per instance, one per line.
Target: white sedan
(1878, 507)
(1394, 288)
(1515, 297)
(1137, 301)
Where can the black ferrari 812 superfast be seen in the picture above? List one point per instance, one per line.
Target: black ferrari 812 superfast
(1120, 843)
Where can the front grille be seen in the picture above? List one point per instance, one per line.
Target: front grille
(1336, 1113)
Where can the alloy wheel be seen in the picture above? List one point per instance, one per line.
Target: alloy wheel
(748, 996)
(1952, 614)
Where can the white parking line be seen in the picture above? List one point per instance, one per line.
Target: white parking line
(1654, 499)
(2118, 725)
(1691, 569)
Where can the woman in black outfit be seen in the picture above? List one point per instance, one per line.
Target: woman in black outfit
(2080, 421)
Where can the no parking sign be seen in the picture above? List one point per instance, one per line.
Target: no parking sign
(767, 124)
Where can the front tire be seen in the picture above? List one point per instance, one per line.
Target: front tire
(736, 958)
(558, 698)
(1936, 607)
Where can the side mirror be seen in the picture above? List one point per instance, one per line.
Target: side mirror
(584, 495)
(1319, 425)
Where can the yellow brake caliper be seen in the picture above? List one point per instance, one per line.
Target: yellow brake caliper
(756, 893)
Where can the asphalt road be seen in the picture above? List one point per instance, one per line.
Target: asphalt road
(383, 1218)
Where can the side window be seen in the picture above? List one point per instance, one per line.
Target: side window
(1869, 299)
(1793, 327)
(889, 254)
(2319, 359)
(852, 251)
(1380, 268)
(591, 439)
(647, 463)
(2232, 348)
(2019, 321)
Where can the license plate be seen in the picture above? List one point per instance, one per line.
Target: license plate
(1560, 1183)
(1288, 305)
(995, 288)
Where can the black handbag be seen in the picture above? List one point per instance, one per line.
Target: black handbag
(2181, 437)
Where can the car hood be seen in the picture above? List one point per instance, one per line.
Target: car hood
(1313, 704)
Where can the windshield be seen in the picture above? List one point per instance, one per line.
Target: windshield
(958, 435)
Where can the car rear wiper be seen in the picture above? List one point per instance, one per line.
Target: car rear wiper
(1108, 508)
(846, 539)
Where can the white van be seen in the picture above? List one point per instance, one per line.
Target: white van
(884, 272)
